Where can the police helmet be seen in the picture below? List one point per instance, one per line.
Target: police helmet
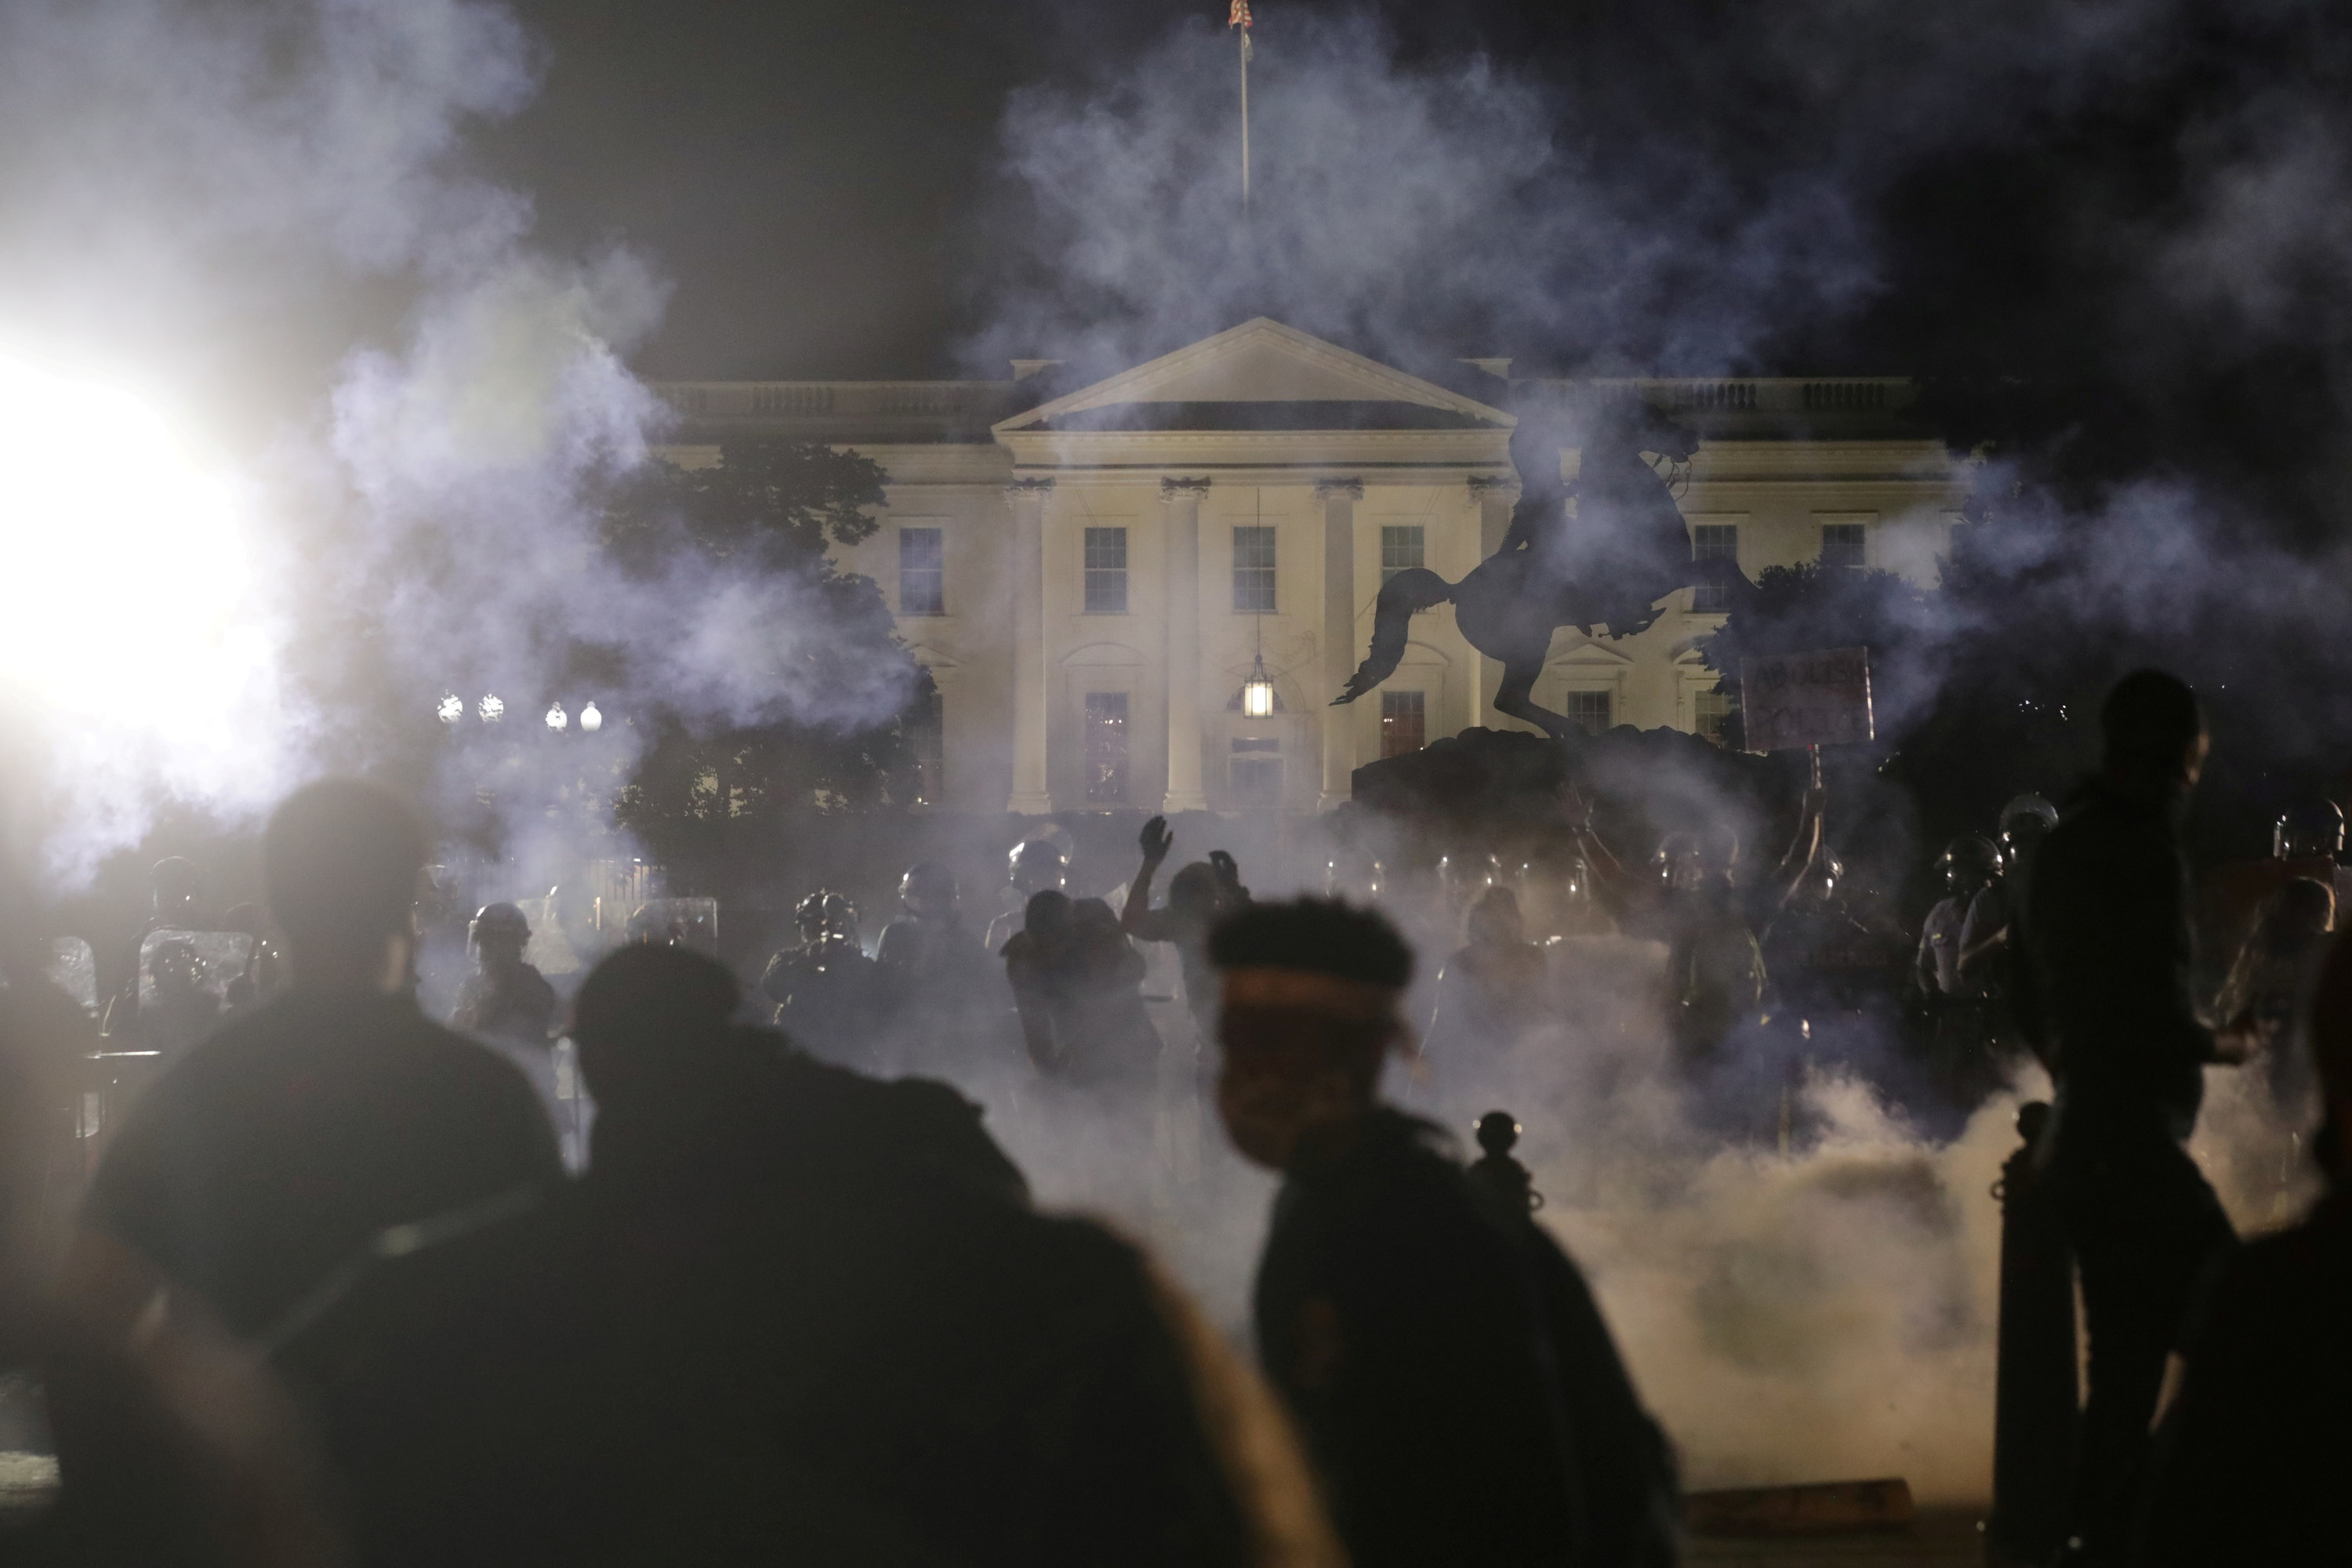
(1969, 859)
(505, 920)
(2312, 831)
(1038, 860)
(929, 882)
(826, 914)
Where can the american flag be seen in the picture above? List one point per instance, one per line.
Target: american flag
(1241, 16)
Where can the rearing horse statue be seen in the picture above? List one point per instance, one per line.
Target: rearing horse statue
(1625, 548)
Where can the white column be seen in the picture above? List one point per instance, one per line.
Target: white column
(1030, 796)
(1183, 499)
(1339, 497)
(1493, 497)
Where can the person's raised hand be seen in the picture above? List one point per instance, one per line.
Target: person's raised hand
(1575, 807)
(1156, 840)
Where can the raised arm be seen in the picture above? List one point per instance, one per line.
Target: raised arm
(1619, 886)
(1135, 915)
(1804, 847)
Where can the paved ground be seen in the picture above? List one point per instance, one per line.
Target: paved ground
(1945, 1537)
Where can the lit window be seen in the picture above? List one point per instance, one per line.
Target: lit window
(1404, 722)
(1714, 542)
(926, 738)
(1588, 709)
(1252, 570)
(922, 573)
(1842, 545)
(1709, 710)
(1106, 570)
(1105, 746)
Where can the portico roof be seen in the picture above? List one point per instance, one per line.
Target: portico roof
(1260, 375)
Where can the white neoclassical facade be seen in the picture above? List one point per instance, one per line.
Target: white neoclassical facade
(1092, 578)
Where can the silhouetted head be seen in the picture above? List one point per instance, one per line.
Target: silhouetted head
(499, 935)
(651, 1013)
(1311, 1005)
(1495, 920)
(1048, 916)
(929, 891)
(1196, 890)
(1688, 861)
(2154, 730)
(2296, 916)
(340, 861)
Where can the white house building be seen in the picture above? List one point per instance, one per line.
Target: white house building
(1092, 578)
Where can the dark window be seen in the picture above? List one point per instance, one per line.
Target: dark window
(1404, 722)
(1106, 747)
(1714, 542)
(1257, 781)
(922, 573)
(1252, 570)
(926, 738)
(1589, 708)
(1707, 714)
(1842, 545)
(1400, 548)
(1106, 570)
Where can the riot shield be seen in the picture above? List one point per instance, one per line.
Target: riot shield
(680, 922)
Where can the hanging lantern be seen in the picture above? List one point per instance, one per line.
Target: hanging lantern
(1258, 691)
(493, 707)
(450, 708)
(557, 718)
(591, 721)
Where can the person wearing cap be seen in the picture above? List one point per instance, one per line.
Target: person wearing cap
(2257, 1437)
(2107, 993)
(270, 1153)
(1455, 1384)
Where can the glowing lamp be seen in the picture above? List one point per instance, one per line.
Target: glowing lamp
(1258, 691)
(450, 708)
(557, 719)
(591, 721)
(492, 709)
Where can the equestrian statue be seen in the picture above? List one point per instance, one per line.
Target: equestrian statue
(1624, 548)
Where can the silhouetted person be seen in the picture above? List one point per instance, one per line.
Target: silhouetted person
(2271, 971)
(1490, 991)
(1199, 896)
(791, 1313)
(2255, 1445)
(1456, 1386)
(948, 1005)
(1075, 979)
(828, 994)
(2108, 997)
(266, 1156)
(1034, 866)
(504, 995)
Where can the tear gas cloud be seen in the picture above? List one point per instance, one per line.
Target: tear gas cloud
(219, 191)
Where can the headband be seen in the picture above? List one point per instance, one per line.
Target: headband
(1358, 1001)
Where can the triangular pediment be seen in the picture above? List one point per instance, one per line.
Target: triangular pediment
(1260, 375)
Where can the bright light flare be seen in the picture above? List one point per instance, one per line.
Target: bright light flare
(139, 648)
(132, 561)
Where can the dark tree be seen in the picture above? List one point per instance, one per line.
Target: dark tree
(773, 508)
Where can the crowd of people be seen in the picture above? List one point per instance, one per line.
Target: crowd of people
(335, 1294)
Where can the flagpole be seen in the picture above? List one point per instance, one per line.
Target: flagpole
(1245, 157)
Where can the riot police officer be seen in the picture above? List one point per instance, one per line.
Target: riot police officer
(504, 996)
(828, 994)
(948, 1002)
(1036, 866)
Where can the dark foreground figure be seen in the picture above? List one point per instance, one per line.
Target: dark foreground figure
(2255, 1449)
(2107, 999)
(789, 1314)
(1458, 1392)
(272, 1152)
